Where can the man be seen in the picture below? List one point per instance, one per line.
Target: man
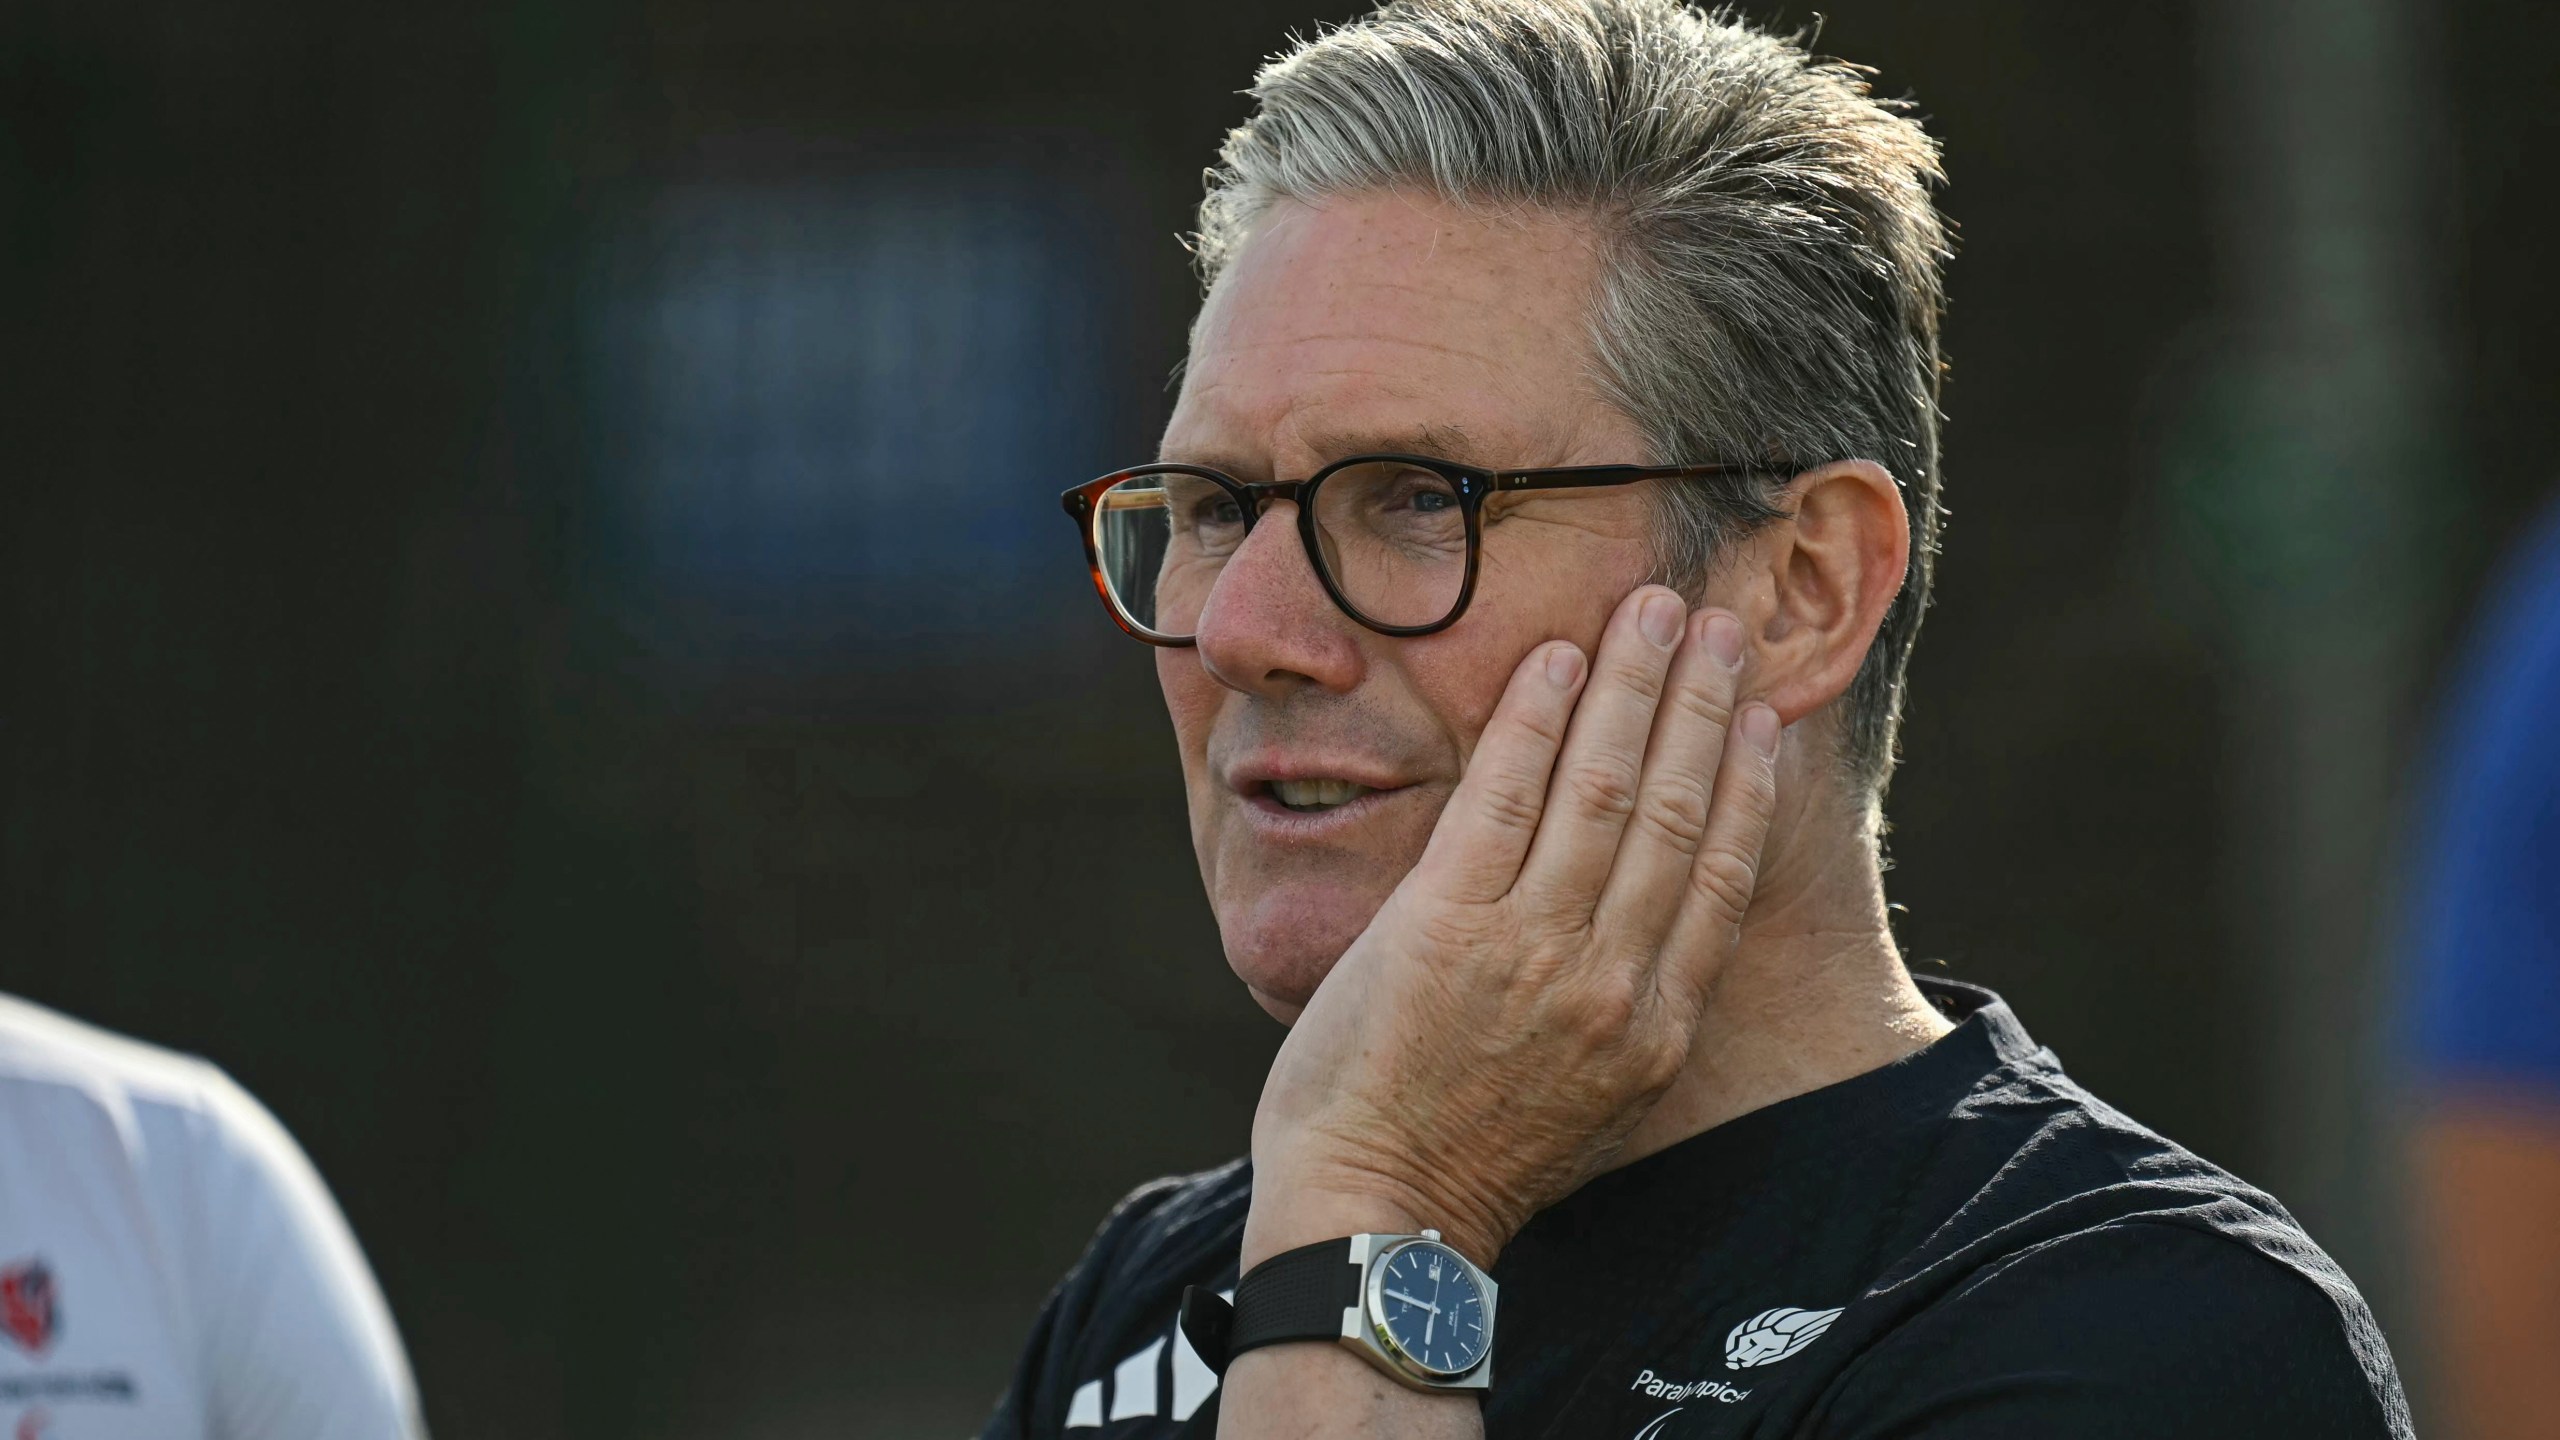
(170, 1267)
(1539, 540)
(2484, 1025)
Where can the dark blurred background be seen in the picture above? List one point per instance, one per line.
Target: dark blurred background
(538, 633)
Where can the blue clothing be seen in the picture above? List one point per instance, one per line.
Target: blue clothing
(2486, 922)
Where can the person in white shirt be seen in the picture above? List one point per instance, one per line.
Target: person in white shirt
(170, 1264)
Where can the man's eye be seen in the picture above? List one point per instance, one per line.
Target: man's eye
(1207, 507)
(1419, 491)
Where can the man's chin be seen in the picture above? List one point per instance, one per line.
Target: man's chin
(1282, 984)
(1282, 950)
(1284, 1011)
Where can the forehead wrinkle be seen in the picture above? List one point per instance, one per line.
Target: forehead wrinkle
(1405, 340)
(1280, 401)
(1441, 440)
(1470, 424)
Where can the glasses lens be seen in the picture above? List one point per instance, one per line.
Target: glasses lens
(1394, 539)
(1163, 539)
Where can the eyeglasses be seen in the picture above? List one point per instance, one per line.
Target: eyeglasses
(1393, 538)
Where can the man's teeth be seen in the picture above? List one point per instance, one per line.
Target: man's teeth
(1315, 794)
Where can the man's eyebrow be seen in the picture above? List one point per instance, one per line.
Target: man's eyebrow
(1440, 441)
(1445, 440)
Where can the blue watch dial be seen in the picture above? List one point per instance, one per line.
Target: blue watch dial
(1430, 1307)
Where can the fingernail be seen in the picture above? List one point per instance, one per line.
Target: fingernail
(1724, 640)
(1760, 728)
(1564, 666)
(1660, 620)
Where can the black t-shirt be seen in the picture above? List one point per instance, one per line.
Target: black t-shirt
(1963, 1243)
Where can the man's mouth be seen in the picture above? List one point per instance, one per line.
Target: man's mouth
(1308, 797)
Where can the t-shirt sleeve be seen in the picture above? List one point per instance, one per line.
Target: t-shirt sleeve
(1035, 1401)
(2140, 1330)
(299, 1344)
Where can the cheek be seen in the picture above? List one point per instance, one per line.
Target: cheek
(1463, 671)
(1179, 675)
(1191, 699)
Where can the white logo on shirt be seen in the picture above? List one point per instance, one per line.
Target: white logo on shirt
(1661, 1389)
(1773, 1335)
(1654, 1429)
(1135, 1385)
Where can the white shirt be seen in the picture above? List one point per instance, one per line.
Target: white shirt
(170, 1264)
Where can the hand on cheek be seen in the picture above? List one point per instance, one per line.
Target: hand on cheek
(1583, 886)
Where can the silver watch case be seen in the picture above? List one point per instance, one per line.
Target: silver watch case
(1364, 1329)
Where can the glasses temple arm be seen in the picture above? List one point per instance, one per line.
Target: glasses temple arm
(1581, 475)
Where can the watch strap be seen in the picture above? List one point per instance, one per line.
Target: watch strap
(1206, 1319)
(1295, 1295)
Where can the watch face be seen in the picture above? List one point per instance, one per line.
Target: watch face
(1428, 1304)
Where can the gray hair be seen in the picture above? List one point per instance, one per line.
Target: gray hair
(1771, 276)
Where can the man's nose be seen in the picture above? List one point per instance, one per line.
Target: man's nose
(1269, 627)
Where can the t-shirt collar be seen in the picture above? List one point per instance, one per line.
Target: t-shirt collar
(1908, 1096)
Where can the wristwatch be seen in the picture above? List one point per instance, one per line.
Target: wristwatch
(1407, 1304)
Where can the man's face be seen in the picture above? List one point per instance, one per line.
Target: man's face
(1378, 322)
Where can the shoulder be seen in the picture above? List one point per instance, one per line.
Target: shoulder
(2030, 1155)
(1164, 1235)
(2149, 1325)
(110, 1100)
(174, 1118)
(1102, 1339)
(2090, 1198)
(1164, 1221)
(42, 1047)
(2072, 1271)
(2493, 778)
(261, 1267)
(2094, 1278)
(2484, 926)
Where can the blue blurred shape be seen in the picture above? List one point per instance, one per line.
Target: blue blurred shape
(838, 411)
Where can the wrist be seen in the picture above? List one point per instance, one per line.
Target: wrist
(1282, 1219)
(1288, 1211)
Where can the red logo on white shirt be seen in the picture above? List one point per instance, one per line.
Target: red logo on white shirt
(27, 1305)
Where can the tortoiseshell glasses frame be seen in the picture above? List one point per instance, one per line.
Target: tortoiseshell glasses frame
(1472, 485)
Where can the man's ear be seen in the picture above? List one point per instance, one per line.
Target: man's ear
(1827, 575)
